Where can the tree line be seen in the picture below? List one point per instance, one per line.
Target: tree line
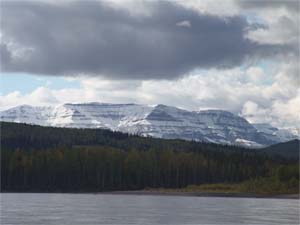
(37, 158)
(104, 168)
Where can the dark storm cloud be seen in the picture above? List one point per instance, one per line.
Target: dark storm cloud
(293, 5)
(95, 38)
(5, 55)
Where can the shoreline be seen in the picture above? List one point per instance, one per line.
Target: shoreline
(202, 194)
(177, 194)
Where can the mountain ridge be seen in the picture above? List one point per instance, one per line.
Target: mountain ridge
(162, 121)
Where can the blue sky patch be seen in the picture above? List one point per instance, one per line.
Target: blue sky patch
(26, 83)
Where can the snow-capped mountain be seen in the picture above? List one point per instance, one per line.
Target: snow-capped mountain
(161, 121)
(273, 133)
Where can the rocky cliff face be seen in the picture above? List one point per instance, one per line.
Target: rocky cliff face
(158, 121)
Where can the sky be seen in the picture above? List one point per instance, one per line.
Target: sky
(235, 55)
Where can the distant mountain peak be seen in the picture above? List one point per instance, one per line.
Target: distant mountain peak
(217, 126)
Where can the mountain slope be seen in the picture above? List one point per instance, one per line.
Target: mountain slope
(161, 121)
(275, 134)
(290, 149)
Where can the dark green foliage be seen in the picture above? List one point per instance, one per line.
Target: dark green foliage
(290, 149)
(35, 158)
(284, 180)
(105, 168)
(24, 136)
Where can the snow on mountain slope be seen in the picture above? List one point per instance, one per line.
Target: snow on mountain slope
(158, 121)
(276, 134)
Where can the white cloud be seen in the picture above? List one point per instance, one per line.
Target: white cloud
(282, 24)
(284, 30)
(255, 73)
(184, 23)
(285, 114)
(288, 111)
(40, 96)
(277, 103)
(212, 7)
(255, 113)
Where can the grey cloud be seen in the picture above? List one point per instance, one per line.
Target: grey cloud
(97, 39)
(293, 5)
(5, 56)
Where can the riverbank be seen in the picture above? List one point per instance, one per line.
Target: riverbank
(201, 194)
(170, 193)
(247, 189)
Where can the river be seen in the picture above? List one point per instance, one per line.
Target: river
(93, 209)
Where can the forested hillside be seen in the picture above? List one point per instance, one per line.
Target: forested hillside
(35, 158)
(290, 149)
(15, 135)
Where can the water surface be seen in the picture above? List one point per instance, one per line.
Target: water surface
(93, 209)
